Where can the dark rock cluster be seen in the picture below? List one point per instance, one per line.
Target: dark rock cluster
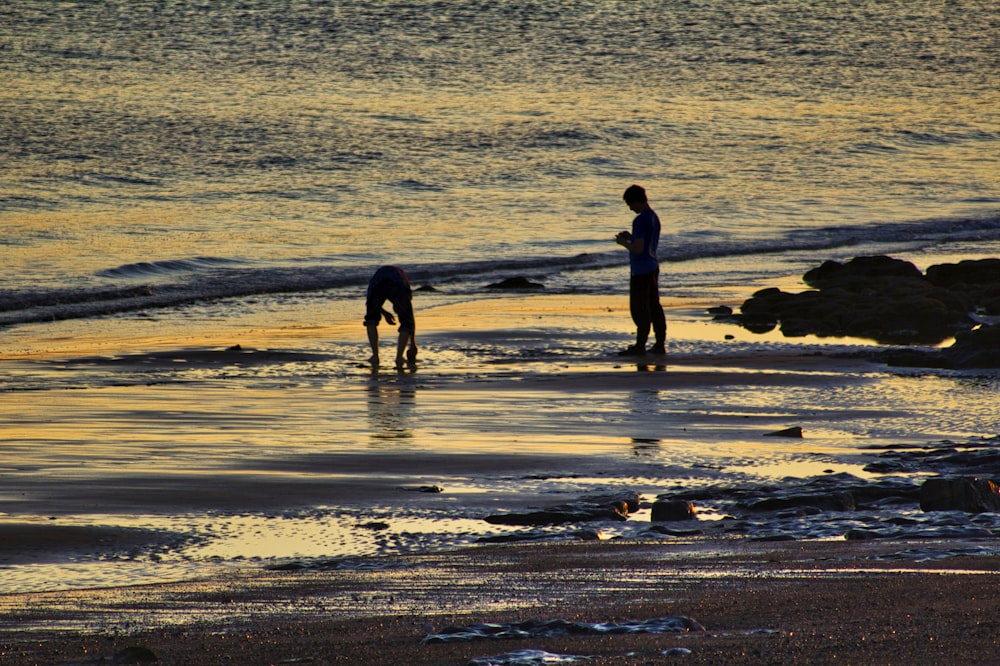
(943, 491)
(880, 298)
(976, 458)
(821, 494)
(966, 478)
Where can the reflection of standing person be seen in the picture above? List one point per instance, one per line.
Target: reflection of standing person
(391, 284)
(643, 290)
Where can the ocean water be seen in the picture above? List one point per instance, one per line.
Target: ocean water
(159, 152)
(177, 171)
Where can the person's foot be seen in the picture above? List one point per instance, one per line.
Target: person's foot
(658, 349)
(634, 350)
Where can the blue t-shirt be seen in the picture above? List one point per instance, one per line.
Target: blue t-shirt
(646, 226)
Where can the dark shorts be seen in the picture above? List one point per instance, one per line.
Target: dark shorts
(390, 284)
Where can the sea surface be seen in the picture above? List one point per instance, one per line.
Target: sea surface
(207, 150)
(171, 167)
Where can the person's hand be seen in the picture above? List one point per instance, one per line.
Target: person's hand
(623, 237)
(389, 318)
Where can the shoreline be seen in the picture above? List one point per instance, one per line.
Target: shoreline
(760, 603)
(517, 404)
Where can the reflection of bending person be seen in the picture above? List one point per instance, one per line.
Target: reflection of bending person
(391, 284)
(390, 411)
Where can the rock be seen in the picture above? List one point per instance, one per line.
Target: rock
(516, 283)
(423, 489)
(806, 500)
(978, 457)
(794, 431)
(135, 655)
(661, 530)
(833, 492)
(870, 534)
(978, 278)
(773, 537)
(587, 535)
(533, 536)
(670, 510)
(594, 507)
(969, 494)
(978, 349)
(880, 298)
(860, 272)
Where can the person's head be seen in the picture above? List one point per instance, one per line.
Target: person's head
(635, 197)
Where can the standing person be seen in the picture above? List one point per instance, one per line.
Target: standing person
(643, 290)
(390, 283)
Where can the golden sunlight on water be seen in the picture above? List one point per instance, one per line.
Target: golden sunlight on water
(196, 195)
(308, 455)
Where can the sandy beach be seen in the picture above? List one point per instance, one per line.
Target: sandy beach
(802, 603)
(198, 465)
(271, 502)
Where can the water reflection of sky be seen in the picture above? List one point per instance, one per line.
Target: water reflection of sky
(544, 389)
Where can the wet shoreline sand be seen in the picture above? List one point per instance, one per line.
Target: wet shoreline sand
(760, 603)
(557, 424)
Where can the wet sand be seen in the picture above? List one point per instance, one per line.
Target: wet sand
(158, 446)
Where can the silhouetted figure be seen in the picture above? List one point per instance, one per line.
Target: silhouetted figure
(644, 289)
(390, 283)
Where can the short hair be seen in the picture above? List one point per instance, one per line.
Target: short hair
(635, 193)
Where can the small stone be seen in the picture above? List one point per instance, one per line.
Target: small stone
(795, 431)
(135, 654)
(671, 510)
(516, 283)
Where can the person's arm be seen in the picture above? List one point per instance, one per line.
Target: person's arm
(406, 337)
(633, 245)
(411, 355)
(637, 246)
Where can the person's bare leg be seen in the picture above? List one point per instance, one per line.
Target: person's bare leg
(373, 342)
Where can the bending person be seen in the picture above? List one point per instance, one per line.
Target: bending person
(390, 283)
